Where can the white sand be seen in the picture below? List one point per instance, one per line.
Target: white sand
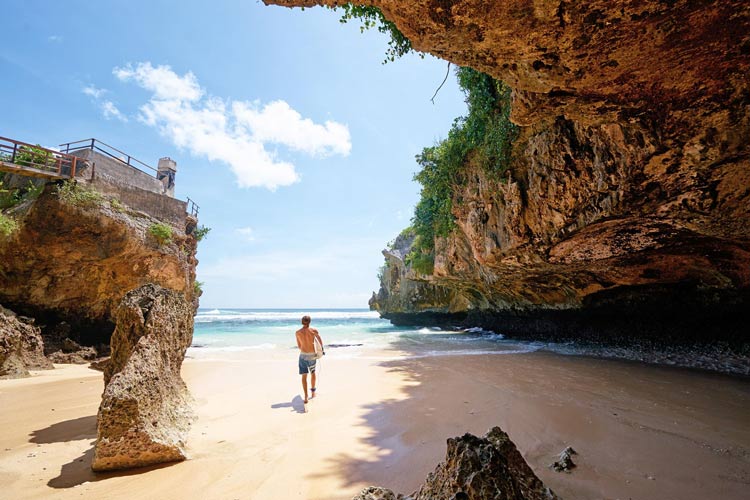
(642, 432)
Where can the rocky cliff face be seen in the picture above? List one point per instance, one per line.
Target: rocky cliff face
(71, 262)
(626, 206)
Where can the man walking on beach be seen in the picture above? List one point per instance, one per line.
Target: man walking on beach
(306, 338)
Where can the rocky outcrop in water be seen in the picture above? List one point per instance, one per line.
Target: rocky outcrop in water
(625, 210)
(21, 346)
(145, 414)
(488, 468)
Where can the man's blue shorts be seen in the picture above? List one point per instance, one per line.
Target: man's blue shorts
(306, 363)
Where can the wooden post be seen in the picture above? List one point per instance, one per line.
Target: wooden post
(73, 167)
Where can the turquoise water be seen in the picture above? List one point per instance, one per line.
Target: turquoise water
(348, 331)
(360, 332)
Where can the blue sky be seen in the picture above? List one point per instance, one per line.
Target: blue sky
(294, 139)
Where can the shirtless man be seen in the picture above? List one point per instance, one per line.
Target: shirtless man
(306, 342)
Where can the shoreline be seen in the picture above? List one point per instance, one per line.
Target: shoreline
(641, 431)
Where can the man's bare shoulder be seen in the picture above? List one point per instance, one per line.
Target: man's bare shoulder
(298, 332)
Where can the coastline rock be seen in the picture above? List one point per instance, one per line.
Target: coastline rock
(145, 412)
(21, 346)
(626, 198)
(488, 468)
(69, 266)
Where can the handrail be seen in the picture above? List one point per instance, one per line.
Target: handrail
(52, 162)
(92, 145)
(61, 165)
(192, 208)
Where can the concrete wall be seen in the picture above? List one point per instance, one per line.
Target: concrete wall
(157, 205)
(136, 189)
(117, 172)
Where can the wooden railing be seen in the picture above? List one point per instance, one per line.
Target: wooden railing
(28, 159)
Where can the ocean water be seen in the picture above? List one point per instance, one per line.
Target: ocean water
(345, 332)
(359, 332)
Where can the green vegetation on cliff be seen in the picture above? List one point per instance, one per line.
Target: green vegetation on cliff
(372, 17)
(483, 137)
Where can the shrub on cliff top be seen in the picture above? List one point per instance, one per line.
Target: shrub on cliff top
(162, 232)
(200, 232)
(8, 225)
(372, 17)
(76, 194)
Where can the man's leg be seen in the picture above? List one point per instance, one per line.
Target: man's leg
(313, 385)
(304, 385)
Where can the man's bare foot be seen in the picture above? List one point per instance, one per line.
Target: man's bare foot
(313, 393)
(305, 401)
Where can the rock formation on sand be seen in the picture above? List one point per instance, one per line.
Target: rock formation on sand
(625, 209)
(145, 412)
(488, 468)
(21, 346)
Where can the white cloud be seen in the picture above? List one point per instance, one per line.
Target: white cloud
(110, 111)
(55, 38)
(278, 122)
(91, 90)
(108, 108)
(234, 132)
(162, 81)
(247, 233)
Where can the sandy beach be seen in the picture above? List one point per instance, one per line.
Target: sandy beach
(640, 431)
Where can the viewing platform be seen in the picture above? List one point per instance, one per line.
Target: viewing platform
(105, 167)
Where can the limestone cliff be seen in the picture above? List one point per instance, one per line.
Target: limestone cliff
(627, 202)
(72, 260)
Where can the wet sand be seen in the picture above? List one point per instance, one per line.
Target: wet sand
(641, 431)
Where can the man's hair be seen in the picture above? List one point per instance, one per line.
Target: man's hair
(305, 320)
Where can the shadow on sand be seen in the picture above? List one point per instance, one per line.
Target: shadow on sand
(296, 404)
(78, 470)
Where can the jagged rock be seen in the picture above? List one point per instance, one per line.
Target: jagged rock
(73, 353)
(488, 468)
(564, 463)
(377, 493)
(100, 364)
(21, 346)
(145, 412)
(79, 357)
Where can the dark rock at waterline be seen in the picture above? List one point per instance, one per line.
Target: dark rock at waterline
(488, 468)
(334, 346)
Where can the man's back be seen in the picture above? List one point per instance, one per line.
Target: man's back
(306, 339)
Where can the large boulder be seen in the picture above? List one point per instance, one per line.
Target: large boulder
(21, 346)
(488, 468)
(145, 413)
